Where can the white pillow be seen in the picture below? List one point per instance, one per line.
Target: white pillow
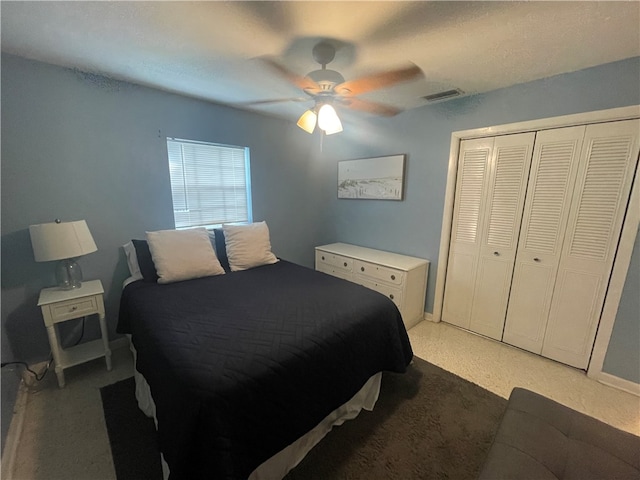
(183, 254)
(132, 260)
(248, 246)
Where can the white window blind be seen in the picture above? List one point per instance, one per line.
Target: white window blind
(210, 184)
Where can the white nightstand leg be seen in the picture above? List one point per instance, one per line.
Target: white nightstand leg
(105, 340)
(55, 351)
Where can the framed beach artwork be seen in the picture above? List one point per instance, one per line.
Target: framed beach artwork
(379, 178)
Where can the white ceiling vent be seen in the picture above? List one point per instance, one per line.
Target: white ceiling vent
(443, 95)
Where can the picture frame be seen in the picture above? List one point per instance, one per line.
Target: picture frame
(375, 178)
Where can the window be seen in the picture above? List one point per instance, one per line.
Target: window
(210, 184)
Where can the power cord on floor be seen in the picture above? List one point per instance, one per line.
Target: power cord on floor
(37, 376)
(40, 377)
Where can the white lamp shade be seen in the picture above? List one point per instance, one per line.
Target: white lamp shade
(307, 121)
(58, 241)
(328, 120)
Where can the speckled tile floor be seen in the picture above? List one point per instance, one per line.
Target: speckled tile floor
(64, 435)
(499, 368)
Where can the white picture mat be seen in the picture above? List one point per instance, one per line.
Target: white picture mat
(379, 178)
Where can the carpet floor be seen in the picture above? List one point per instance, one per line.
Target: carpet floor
(427, 424)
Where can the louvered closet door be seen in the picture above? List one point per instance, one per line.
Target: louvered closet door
(608, 161)
(551, 180)
(471, 186)
(509, 171)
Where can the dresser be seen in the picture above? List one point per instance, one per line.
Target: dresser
(401, 278)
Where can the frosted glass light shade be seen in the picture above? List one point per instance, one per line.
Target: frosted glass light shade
(61, 240)
(307, 121)
(328, 120)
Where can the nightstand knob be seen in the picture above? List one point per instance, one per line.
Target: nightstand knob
(393, 277)
(362, 269)
(74, 308)
(391, 296)
(345, 264)
(323, 257)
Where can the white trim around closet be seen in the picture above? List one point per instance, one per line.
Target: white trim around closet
(616, 285)
(626, 242)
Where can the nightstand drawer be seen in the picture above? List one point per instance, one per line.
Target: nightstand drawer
(73, 309)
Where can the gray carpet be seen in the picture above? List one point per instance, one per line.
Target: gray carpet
(427, 424)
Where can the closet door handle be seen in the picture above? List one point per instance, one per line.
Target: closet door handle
(536, 259)
(497, 254)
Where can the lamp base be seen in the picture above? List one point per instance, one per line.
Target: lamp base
(68, 274)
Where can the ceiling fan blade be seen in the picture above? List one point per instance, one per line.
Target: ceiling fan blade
(371, 107)
(378, 81)
(275, 100)
(304, 83)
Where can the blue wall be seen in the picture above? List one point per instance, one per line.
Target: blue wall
(623, 355)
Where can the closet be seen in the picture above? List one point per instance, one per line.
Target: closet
(536, 221)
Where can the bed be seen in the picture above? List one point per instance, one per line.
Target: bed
(245, 366)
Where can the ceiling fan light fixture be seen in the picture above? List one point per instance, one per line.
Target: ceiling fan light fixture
(307, 121)
(328, 120)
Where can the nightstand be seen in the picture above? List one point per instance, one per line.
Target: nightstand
(61, 305)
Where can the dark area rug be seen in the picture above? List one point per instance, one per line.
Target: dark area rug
(427, 424)
(132, 435)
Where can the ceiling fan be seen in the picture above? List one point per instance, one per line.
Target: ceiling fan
(328, 88)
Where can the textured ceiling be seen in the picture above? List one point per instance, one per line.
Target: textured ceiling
(209, 49)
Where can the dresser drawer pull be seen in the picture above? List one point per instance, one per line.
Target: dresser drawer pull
(393, 277)
(362, 269)
(345, 264)
(391, 296)
(74, 308)
(323, 257)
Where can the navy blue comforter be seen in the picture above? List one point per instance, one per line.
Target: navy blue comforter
(241, 365)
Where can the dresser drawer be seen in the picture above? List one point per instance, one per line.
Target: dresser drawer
(73, 309)
(334, 261)
(379, 273)
(393, 293)
(336, 272)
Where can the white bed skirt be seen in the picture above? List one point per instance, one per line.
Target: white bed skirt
(282, 462)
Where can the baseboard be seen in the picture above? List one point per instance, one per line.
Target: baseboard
(14, 433)
(619, 383)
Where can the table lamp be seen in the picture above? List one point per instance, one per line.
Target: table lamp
(62, 241)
